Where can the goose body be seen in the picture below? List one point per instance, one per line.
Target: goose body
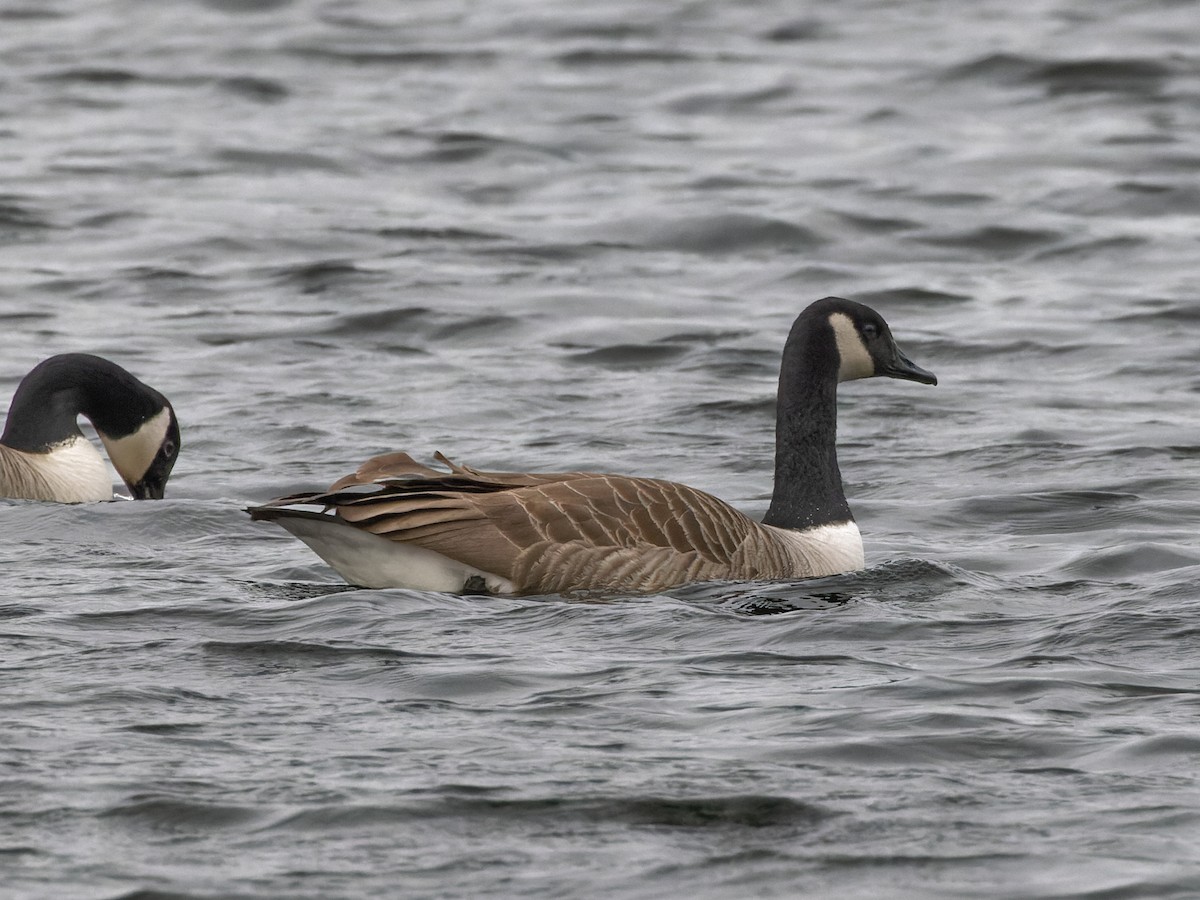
(398, 523)
(45, 456)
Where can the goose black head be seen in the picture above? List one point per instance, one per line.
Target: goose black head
(865, 346)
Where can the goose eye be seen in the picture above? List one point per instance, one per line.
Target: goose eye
(168, 448)
(870, 331)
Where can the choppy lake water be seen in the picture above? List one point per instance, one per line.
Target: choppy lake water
(562, 236)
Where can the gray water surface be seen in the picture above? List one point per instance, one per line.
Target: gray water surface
(573, 236)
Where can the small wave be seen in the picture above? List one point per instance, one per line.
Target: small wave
(309, 651)
(721, 812)
(558, 252)
(721, 233)
(403, 319)
(1132, 559)
(1002, 68)
(290, 590)
(322, 275)
(1158, 749)
(489, 327)
(898, 580)
(17, 217)
(751, 811)
(426, 57)
(996, 240)
(249, 87)
(953, 199)
(417, 325)
(1133, 76)
(245, 6)
(93, 75)
(14, 851)
(167, 728)
(158, 893)
(630, 356)
(877, 224)
(726, 102)
(170, 814)
(591, 57)
(914, 295)
(163, 894)
(1165, 312)
(277, 160)
(740, 363)
(153, 274)
(760, 407)
(1101, 74)
(25, 316)
(743, 660)
(964, 741)
(796, 31)
(603, 29)
(30, 13)
(1143, 198)
(1102, 247)
(126, 698)
(1051, 512)
(468, 146)
(438, 235)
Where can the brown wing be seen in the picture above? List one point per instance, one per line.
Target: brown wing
(554, 532)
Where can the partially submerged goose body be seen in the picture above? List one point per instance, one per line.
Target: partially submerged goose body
(397, 523)
(44, 455)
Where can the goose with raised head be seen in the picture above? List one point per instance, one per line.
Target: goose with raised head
(397, 523)
(44, 455)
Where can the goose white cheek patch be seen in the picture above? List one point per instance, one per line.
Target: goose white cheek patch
(132, 455)
(856, 360)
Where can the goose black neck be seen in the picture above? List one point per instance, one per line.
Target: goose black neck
(49, 400)
(808, 484)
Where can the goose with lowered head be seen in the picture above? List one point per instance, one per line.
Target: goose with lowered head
(398, 523)
(44, 455)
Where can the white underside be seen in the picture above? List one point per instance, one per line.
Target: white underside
(828, 549)
(371, 561)
(71, 472)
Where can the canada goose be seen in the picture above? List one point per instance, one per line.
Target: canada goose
(44, 455)
(397, 523)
